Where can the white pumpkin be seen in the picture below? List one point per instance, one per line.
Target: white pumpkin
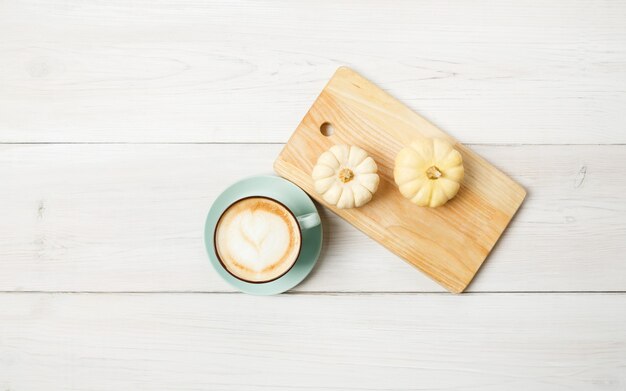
(345, 176)
(429, 172)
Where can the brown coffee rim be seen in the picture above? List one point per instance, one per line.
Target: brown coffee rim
(217, 255)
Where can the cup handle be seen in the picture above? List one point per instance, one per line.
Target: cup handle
(309, 220)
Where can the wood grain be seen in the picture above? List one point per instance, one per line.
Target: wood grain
(196, 71)
(301, 342)
(449, 243)
(130, 218)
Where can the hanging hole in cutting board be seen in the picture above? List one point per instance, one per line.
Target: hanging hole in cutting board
(327, 129)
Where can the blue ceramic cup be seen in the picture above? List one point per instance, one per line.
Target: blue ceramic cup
(303, 222)
(297, 202)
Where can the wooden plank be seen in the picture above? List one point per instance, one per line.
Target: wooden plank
(449, 243)
(130, 218)
(356, 342)
(141, 71)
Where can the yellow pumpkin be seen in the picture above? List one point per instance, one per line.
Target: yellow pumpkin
(429, 171)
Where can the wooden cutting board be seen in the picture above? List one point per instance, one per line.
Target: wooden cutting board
(448, 243)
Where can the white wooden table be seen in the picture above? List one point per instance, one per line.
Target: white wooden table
(121, 121)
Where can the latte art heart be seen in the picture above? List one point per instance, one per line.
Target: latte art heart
(257, 239)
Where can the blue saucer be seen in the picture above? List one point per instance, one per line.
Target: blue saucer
(291, 196)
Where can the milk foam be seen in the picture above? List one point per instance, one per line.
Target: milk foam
(257, 239)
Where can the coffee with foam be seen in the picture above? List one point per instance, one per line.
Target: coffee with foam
(257, 239)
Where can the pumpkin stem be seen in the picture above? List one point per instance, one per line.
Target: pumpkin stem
(433, 172)
(345, 175)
